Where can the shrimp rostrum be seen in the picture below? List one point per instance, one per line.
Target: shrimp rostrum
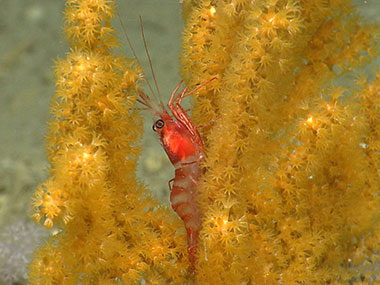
(184, 147)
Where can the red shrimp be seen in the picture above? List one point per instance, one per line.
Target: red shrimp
(184, 147)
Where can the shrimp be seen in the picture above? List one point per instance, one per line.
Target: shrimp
(184, 148)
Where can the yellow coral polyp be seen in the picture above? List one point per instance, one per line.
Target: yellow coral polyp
(86, 157)
(212, 11)
(310, 122)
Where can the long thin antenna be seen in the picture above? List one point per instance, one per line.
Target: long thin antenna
(126, 35)
(147, 53)
(133, 51)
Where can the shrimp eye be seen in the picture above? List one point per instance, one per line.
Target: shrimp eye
(159, 124)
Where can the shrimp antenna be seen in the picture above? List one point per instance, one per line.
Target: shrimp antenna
(133, 50)
(148, 55)
(126, 35)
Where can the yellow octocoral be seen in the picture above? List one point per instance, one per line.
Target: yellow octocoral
(290, 184)
(294, 147)
(107, 229)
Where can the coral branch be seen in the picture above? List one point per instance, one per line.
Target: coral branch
(289, 193)
(106, 229)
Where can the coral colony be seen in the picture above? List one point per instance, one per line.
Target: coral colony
(289, 185)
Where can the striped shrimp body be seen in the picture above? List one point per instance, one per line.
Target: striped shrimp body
(184, 147)
(183, 198)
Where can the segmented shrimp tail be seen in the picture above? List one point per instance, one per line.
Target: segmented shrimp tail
(192, 245)
(183, 199)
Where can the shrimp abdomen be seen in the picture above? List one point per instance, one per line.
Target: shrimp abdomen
(183, 200)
